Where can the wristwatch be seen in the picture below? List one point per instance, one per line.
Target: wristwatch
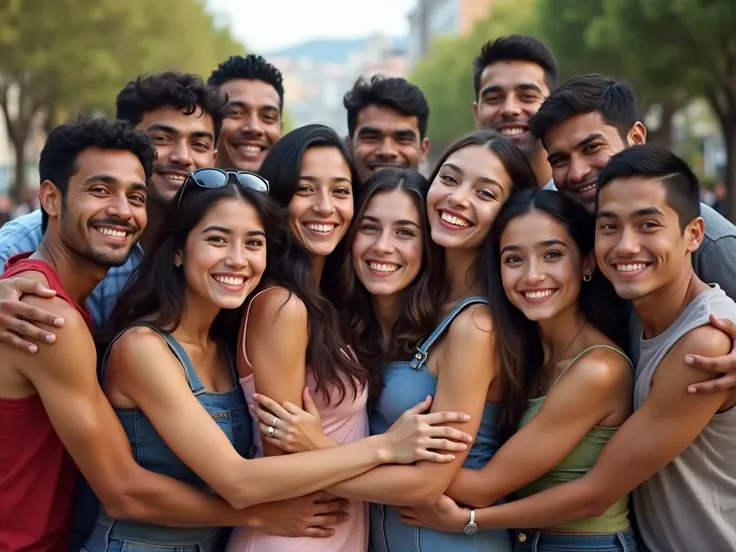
(471, 528)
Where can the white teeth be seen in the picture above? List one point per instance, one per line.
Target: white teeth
(537, 294)
(512, 131)
(630, 267)
(588, 188)
(177, 177)
(455, 221)
(321, 228)
(110, 232)
(383, 267)
(229, 280)
(251, 149)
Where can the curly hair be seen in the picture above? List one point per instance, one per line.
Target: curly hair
(182, 91)
(251, 67)
(58, 160)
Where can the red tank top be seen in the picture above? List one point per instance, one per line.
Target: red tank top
(37, 476)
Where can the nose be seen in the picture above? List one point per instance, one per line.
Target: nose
(578, 170)
(511, 107)
(534, 273)
(119, 207)
(385, 243)
(460, 197)
(323, 204)
(628, 243)
(181, 154)
(252, 125)
(387, 148)
(237, 257)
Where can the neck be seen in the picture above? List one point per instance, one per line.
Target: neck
(559, 332)
(461, 273)
(196, 321)
(386, 308)
(318, 267)
(659, 309)
(542, 168)
(78, 274)
(155, 212)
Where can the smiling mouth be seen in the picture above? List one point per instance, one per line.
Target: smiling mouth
(322, 229)
(587, 188)
(235, 282)
(383, 268)
(630, 269)
(455, 221)
(174, 177)
(249, 149)
(114, 233)
(538, 296)
(512, 130)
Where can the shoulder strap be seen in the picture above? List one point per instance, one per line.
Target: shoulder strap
(582, 353)
(420, 357)
(181, 355)
(244, 329)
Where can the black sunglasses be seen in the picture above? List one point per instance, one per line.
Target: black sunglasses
(216, 178)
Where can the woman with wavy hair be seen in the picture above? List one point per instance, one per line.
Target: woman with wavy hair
(451, 335)
(291, 336)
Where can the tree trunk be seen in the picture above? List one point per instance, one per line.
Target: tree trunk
(18, 130)
(17, 191)
(729, 137)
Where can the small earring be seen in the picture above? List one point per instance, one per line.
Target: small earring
(177, 263)
(587, 278)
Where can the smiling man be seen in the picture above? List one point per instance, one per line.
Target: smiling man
(255, 101)
(512, 76)
(387, 124)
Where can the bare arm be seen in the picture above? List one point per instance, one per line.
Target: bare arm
(668, 422)
(589, 391)
(276, 340)
(466, 372)
(19, 319)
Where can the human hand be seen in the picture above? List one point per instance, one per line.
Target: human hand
(444, 515)
(312, 515)
(723, 367)
(17, 319)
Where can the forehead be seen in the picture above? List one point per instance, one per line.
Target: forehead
(534, 227)
(510, 74)
(177, 119)
(232, 213)
(392, 205)
(478, 161)
(626, 196)
(568, 134)
(325, 159)
(386, 119)
(253, 93)
(122, 165)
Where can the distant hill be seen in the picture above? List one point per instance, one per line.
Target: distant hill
(334, 50)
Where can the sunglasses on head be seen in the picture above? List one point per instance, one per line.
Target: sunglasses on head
(216, 178)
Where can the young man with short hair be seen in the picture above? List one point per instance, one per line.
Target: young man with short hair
(255, 103)
(387, 124)
(512, 76)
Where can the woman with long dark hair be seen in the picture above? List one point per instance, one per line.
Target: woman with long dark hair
(291, 335)
(171, 374)
(568, 383)
(454, 359)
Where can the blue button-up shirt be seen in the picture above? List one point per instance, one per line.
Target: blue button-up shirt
(24, 234)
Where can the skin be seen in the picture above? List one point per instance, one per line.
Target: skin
(537, 253)
(511, 93)
(670, 417)
(384, 137)
(254, 121)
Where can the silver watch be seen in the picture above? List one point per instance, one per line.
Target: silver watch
(471, 528)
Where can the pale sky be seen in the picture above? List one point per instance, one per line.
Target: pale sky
(268, 25)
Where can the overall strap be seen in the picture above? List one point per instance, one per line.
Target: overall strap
(582, 353)
(181, 355)
(420, 357)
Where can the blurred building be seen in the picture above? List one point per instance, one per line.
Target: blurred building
(318, 73)
(434, 18)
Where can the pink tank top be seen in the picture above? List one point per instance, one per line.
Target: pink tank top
(343, 423)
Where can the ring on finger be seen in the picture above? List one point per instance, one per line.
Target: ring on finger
(271, 431)
(275, 419)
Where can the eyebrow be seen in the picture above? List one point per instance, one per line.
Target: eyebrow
(646, 212)
(527, 86)
(239, 104)
(224, 230)
(309, 178)
(482, 178)
(171, 130)
(111, 180)
(402, 222)
(404, 132)
(543, 243)
(554, 155)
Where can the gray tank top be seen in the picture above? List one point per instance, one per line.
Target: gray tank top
(690, 504)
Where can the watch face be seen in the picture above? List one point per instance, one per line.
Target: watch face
(471, 528)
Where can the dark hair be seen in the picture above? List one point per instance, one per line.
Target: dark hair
(614, 100)
(516, 48)
(182, 91)
(420, 299)
(681, 185)
(58, 160)
(250, 67)
(394, 93)
(292, 267)
(157, 290)
(519, 344)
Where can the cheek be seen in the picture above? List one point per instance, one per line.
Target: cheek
(258, 263)
(346, 207)
(361, 244)
(296, 209)
(202, 159)
(412, 255)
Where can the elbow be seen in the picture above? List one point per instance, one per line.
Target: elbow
(426, 495)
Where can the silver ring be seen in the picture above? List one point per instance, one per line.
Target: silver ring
(271, 431)
(273, 424)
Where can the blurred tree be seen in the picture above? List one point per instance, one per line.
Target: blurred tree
(446, 75)
(67, 56)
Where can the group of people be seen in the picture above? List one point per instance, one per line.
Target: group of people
(217, 337)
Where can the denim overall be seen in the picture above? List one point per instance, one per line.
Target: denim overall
(230, 412)
(406, 383)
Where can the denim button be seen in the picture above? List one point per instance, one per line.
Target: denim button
(522, 537)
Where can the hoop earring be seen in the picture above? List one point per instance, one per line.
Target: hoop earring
(587, 278)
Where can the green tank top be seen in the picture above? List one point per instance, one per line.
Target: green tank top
(576, 464)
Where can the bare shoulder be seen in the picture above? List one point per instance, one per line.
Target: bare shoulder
(74, 328)
(706, 341)
(602, 369)
(137, 343)
(473, 323)
(278, 305)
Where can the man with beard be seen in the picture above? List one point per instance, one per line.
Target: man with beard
(387, 124)
(582, 125)
(255, 101)
(512, 76)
